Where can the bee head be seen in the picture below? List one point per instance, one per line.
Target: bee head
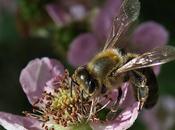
(86, 80)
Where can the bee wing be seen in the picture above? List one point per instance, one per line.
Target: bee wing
(155, 57)
(129, 11)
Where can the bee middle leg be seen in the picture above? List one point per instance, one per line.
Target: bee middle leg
(139, 82)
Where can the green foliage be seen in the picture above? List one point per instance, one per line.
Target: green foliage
(33, 10)
(8, 30)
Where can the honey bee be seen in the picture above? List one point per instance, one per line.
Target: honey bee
(112, 66)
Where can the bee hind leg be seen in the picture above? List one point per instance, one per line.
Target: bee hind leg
(141, 89)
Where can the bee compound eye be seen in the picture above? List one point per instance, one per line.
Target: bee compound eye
(92, 86)
(82, 74)
(89, 83)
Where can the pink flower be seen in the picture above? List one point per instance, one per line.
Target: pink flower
(124, 121)
(33, 79)
(45, 75)
(149, 33)
(83, 48)
(147, 36)
(65, 12)
(127, 117)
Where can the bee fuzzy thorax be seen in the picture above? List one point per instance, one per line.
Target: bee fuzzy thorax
(104, 62)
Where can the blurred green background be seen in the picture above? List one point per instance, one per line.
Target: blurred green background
(16, 51)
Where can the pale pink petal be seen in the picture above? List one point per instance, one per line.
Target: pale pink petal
(82, 49)
(14, 122)
(34, 76)
(127, 117)
(122, 122)
(129, 98)
(114, 94)
(149, 35)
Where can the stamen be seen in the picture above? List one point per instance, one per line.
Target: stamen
(58, 107)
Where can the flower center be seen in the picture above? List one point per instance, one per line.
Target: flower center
(61, 106)
(63, 99)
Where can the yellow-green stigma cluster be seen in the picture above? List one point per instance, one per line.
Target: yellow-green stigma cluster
(62, 106)
(64, 98)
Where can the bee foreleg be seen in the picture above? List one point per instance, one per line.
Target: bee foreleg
(104, 106)
(139, 82)
(92, 108)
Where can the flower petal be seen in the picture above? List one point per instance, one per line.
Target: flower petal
(103, 22)
(77, 11)
(34, 76)
(148, 36)
(58, 14)
(101, 26)
(129, 98)
(127, 117)
(122, 122)
(114, 94)
(82, 49)
(14, 122)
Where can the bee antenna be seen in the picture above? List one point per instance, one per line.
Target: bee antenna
(73, 81)
(71, 85)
